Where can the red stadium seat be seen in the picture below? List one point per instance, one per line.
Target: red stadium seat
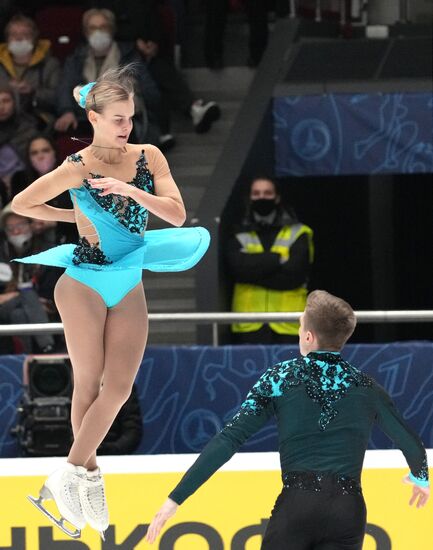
(62, 26)
(65, 146)
(168, 23)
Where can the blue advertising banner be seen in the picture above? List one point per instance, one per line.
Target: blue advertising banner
(188, 393)
(333, 134)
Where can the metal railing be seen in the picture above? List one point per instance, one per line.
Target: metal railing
(215, 319)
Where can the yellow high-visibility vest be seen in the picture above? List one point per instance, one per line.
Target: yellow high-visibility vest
(247, 297)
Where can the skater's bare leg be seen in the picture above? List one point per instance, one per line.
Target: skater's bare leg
(125, 337)
(83, 314)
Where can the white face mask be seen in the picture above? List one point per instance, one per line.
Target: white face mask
(20, 47)
(44, 164)
(100, 40)
(18, 241)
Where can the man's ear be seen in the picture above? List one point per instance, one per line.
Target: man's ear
(310, 337)
(140, 44)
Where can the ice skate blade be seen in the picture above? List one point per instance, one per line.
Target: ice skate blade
(59, 523)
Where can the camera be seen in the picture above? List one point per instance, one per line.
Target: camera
(44, 412)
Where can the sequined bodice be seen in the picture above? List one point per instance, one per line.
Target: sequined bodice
(128, 212)
(112, 216)
(326, 378)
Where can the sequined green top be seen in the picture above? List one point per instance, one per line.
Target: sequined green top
(325, 410)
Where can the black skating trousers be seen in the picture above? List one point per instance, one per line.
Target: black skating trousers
(309, 520)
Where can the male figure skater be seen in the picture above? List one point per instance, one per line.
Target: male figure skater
(325, 410)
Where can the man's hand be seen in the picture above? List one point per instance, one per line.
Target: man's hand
(420, 495)
(167, 510)
(67, 120)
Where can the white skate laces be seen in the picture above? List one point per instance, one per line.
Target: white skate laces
(93, 502)
(71, 480)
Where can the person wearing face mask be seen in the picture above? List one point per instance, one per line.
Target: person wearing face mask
(16, 127)
(269, 258)
(26, 292)
(100, 53)
(41, 159)
(28, 67)
(10, 164)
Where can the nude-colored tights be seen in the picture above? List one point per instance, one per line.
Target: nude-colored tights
(104, 345)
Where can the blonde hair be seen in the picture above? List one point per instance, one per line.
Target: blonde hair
(114, 85)
(331, 319)
(108, 14)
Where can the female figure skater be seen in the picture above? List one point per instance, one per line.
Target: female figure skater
(100, 297)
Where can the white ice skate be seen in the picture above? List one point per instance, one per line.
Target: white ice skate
(62, 487)
(93, 502)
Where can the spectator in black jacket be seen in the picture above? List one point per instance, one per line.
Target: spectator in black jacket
(175, 92)
(269, 257)
(26, 291)
(102, 52)
(42, 158)
(16, 128)
(27, 65)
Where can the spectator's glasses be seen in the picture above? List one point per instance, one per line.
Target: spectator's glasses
(17, 227)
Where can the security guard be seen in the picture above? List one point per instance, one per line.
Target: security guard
(269, 259)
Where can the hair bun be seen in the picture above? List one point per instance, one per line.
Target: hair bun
(76, 93)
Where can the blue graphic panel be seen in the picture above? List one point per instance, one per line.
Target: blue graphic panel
(188, 394)
(353, 134)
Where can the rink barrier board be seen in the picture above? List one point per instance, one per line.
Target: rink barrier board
(228, 513)
(188, 393)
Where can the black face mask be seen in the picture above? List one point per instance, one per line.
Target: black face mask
(263, 207)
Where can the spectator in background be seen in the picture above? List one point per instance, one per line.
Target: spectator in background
(91, 60)
(126, 431)
(41, 159)
(269, 257)
(10, 164)
(175, 92)
(257, 15)
(26, 291)
(16, 127)
(132, 17)
(28, 67)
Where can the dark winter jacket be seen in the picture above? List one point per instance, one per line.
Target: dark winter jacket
(42, 73)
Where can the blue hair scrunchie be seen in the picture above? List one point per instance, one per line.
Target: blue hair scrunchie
(83, 93)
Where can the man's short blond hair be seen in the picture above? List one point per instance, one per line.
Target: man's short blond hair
(330, 319)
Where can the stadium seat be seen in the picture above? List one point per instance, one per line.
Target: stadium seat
(62, 26)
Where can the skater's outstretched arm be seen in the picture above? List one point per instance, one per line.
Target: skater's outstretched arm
(255, 411)
(396, 428)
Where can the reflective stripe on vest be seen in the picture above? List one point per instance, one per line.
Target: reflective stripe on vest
(247, 297)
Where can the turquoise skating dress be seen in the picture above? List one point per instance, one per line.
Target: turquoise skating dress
(113, 265)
